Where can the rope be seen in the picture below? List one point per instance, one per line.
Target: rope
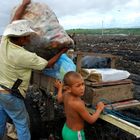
(117, 113)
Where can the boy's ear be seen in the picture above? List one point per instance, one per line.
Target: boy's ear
(67, 88)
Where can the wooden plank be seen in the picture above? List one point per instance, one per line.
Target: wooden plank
(78, 63)
(36, 78)
(43, 81)
(113, 60)
(124, 104)
(99, 84)
(96, 54)
(127, 126)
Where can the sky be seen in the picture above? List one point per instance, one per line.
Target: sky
(84, 13)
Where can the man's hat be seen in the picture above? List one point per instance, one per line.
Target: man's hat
(18, 28)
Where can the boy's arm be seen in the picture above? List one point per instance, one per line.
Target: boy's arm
(59, 86)
(21, 9)
(81, 109)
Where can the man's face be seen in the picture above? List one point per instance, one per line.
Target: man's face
(24, 40)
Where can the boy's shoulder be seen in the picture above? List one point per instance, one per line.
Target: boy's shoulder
(76, 102)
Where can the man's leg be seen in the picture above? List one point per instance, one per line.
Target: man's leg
(22, 125)
(17, 112)
(3, 117)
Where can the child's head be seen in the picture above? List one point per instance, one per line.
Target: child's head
(70, 53)
(74, 83)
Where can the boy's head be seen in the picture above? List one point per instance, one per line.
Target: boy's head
(74, 83)
(70, 53)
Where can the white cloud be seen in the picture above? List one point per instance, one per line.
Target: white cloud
(133, 4)
(85, 13)
(132, 16)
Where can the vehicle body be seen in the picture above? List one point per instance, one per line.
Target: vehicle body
(120, 96)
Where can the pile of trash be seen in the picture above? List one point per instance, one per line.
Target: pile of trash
(46, 115)
(51, 36)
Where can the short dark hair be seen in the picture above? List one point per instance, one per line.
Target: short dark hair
(14, 37)
(71, 74)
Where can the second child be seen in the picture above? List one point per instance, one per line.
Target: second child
(74, 107)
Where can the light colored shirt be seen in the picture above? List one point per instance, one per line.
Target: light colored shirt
(17, 63)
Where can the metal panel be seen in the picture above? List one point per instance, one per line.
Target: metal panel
(129, 127)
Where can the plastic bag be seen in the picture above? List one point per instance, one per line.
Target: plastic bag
(63, 65)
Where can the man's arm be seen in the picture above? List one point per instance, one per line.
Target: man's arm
(55, 58)
(21, 9)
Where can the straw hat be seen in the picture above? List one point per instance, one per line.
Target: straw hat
(18, 28)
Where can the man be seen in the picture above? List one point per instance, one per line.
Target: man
(17, 63)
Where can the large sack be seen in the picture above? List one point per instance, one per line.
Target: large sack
(45, 22)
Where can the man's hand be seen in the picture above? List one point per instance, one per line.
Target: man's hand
(21, 9)
(64, 50)
(26, 2)
(55, 58)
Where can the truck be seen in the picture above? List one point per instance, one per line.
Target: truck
(119, 121)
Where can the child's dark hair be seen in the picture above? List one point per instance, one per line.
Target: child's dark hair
(69, 76)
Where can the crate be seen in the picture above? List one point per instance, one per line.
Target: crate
(112, 92)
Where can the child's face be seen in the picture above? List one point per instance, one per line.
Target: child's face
(78, 87)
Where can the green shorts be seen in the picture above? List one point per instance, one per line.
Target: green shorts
(69, 134)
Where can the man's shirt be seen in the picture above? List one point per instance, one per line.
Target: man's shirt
(17, 63)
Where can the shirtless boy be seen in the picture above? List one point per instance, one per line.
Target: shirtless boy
(75, 110)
